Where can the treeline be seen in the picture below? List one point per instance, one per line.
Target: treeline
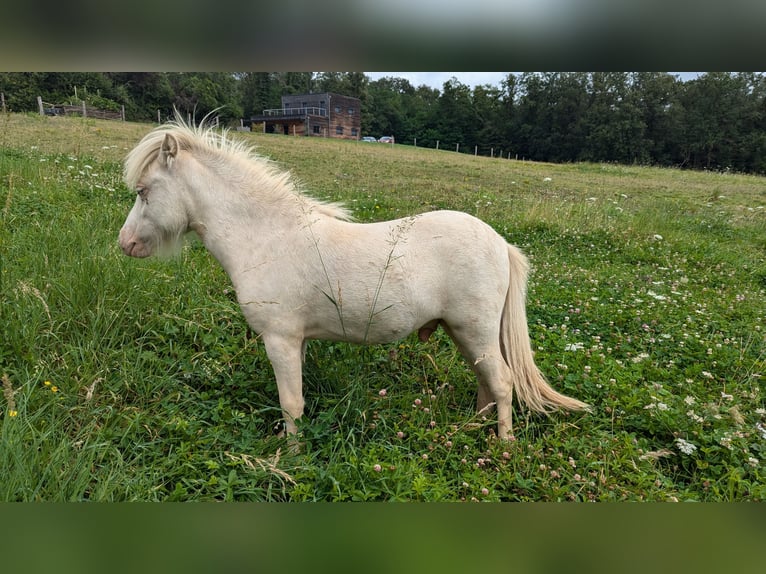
(716, 121)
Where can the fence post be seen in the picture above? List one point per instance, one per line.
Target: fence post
(416, 139)
(40, 105)
(457, 147)
(475, 150)
(437, 144)
(2, 100)
(122, 113)
(84, 111)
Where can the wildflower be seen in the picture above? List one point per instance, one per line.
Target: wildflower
(656, 297)
(752, 461)
(377, 468)
(382, 392)
(485, 491)
(694, 416)
(13, 413)
(400, 434)
(689, 400)
(574, 347)
(685, 446)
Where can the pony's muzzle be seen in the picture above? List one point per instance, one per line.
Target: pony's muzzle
(131, 246)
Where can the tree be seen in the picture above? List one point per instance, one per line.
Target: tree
(657, 100)
(147, 91)
(199, 94)
(456, 121)
(550, 113)
(488, 105)
(259, 91)
(612, 123)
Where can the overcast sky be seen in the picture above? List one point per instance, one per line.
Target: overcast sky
(471, 79)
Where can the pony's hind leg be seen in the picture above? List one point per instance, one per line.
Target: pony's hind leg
(482, 351)
(494, 388)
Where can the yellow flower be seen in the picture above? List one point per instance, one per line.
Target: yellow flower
(55, 389)
(13, 413)
(47, 383)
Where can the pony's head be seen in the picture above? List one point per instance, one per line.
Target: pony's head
(173, 170)
(157, 169)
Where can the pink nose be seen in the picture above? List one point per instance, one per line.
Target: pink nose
(130, 245)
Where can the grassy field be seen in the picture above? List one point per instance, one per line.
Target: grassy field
(139, 380)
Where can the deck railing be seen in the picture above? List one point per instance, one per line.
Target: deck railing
(296, 112)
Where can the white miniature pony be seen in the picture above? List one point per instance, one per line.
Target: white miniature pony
(303, 271)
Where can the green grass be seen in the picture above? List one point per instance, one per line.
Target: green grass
(139, 379)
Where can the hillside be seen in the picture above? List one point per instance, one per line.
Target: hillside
(139, 380)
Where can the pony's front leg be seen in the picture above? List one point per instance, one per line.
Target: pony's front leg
(286, 356)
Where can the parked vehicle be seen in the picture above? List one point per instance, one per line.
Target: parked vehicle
(369, 139)
(386, 139)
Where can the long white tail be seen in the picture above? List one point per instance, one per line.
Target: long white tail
(532, 390)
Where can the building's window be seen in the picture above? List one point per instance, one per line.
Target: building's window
(339, 130)
(354, 132)
(337, 109)
(316, 129)
(351, 111)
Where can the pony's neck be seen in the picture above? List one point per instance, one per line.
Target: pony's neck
(233, 210)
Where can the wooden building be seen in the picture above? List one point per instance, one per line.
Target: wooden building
(324, 115)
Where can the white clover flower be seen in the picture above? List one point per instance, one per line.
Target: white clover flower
(689, 400)
(694, 416)
(685, 446)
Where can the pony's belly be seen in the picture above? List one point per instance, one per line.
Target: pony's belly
(373, 332)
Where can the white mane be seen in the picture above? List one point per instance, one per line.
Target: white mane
(235, 159)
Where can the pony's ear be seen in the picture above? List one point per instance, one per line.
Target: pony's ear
(169, 149)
